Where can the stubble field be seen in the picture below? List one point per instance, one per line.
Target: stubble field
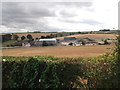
(60, 51)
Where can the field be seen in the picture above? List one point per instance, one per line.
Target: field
(60, 51)
(93, 36)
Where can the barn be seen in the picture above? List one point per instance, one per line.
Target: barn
(46, 42)
(69, 38)
(89, 41)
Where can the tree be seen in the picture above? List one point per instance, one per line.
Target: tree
(55, 35)
(43, 37)
(51, 35)
(118, 57)
(23, 37)
(15, 37)
(61, 35)
(71, 43)
(36, 38)
(48, 36)
(79, 32)
(6, 37)
(106, 42)
(29, 36)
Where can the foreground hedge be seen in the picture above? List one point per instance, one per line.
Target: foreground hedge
(53, 72)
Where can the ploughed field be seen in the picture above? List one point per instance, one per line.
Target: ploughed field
(60, 51)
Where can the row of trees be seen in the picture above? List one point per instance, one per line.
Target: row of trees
(7, 37)
(29, 36)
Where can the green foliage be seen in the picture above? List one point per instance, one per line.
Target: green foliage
(6, 37)
(29, 36)
(15, 37)
(23, 37)
(54, 72)
(118, 57)
(106, 42)
(9, 43)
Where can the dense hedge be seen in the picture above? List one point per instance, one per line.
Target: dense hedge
(53, 72)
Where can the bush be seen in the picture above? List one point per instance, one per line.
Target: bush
(118, 58)
(53, 72)
(106, 42)
(71, 43)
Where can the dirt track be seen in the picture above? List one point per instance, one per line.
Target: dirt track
(59, 51)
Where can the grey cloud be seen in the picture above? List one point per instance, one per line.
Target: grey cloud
(85, 21)
(91, 22)
(24, 15)
(25, 10)
(64, 13)
(77, 4)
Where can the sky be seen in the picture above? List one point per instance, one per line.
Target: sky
(67, 16)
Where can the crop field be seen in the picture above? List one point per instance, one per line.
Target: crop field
(93, 36)
(60, 51)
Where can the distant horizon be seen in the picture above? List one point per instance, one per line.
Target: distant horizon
(54, 32)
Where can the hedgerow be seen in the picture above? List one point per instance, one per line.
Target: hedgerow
(54, 72)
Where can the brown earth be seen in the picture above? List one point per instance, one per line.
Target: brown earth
(59, 51)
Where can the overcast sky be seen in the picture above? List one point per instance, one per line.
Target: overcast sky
(59, 16)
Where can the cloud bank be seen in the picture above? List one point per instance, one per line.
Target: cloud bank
(48, 16)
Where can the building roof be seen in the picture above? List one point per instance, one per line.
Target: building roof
(69, 37)
(49, 39)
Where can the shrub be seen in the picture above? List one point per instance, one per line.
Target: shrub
(118, 57)
(53, 72)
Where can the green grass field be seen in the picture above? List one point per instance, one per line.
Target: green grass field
(8, 43)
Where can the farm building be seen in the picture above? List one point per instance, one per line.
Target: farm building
(89, 41)
(69, 38)
(100, 43)
(26, 44)
(70, 41)
(46, 42)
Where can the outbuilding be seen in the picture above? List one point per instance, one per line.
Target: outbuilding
(46, 42)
